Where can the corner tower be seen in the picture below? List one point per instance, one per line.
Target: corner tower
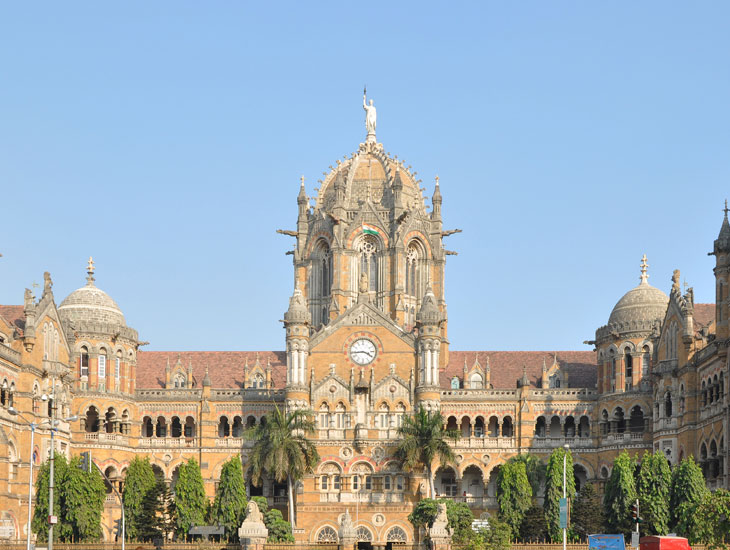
(721, 251)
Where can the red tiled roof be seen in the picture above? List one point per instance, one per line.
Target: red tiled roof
(704, 315)
(225, 368)
(14, 316)
(505, 367)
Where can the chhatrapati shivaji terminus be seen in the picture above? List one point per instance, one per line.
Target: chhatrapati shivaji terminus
(365, 343)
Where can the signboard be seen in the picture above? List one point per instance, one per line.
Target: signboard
(563, 513)
(52, 520)
(606, 542)
(479, 524)
(7, 529)
(634, 539)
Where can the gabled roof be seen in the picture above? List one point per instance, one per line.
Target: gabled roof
(704, 314)
(225, 367)
(506, 366)
(14, 316)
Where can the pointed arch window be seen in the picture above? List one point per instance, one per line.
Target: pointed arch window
(368, 249)
(412, 270)
(320, 283)
(84, 362)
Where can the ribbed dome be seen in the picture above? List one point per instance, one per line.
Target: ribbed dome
(642, 303)
(91, 304)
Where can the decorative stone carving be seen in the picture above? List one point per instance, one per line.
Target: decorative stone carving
(253, 532)
(440, 533)
(346, 532)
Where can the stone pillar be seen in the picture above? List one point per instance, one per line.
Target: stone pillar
(440, 534)
(347, 533)
(253, 532)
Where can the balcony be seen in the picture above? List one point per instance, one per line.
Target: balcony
(481, 502)
(167, 442)
(486, 442)
(229, 442)
(554, 442)
(103, 437)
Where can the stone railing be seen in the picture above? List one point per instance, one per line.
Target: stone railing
(231, 442)
(247, 394)
(176, 394)
(486, 442)
(9, 354)
(167, 442)
(478, 394)
(103, 437)
(474, 501)
(554, 442)
(564, 392)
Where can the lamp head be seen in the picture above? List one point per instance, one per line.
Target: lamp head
(13, 411)
(44, 397)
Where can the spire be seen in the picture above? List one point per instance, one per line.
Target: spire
(429, 313)
(206, 378)
(436, 201)
(644, 277)
(722, 244)
(524, 381)
(90, 272)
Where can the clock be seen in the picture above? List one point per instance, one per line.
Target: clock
(363, 351)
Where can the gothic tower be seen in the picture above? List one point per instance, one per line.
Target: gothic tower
(721, 251)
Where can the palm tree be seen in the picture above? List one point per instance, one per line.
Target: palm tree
(424, 438)
(281, 449)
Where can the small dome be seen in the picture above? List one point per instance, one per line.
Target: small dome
(642, 303)
(91, 304)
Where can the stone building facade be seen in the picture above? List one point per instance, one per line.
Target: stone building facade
(365, 342)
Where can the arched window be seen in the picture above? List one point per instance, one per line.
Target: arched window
(340, 417)
(224, 428)
(148, 429)
(324, 416)
(413, 272)
(397, 535)
(327, 535)
(84, 361)
(180, 380)
(612, 362)
(476, 382)
(189, 427)
(102, 366)
(258, 381)
(118, 366)
(540, 427)
(92, 420)
(382, 419)
(368, 251)
(668, 404)
(320, 283)
(645, 357)
(161, 427)
(175, 427)
(554, 381)
(237, 430)
(628, 369)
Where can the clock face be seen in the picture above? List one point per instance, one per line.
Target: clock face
(362, 351)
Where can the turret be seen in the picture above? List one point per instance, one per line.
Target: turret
(721, 251)
(296, 323)
(302, 218)
(428, 321)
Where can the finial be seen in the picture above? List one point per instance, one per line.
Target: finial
(644, 278)
(90, 270)
(437, 181)
(301, 179)
(726, 209)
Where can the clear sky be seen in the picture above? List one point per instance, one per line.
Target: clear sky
(166, 139)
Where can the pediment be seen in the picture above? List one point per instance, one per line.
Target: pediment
(362, 315)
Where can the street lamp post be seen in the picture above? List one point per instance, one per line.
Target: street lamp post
(565, 529)
(33, 426)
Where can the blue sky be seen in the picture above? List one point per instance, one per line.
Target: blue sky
(166, 139)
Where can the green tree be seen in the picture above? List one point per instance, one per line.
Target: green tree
(424, 438)
(229, 506)
(587, 518)
(535, 468)
(151, 509)
(283, 450)
(514, 494)
(39, 523)
(82, 501)
(279, 528)
(423, 514)
(554, 489)
(460, 517)
(139, 480)
(687, 491)
(190, 500)
(534, 526)
(714, 525)
(498, 536)
(619, 495)
(653, 484)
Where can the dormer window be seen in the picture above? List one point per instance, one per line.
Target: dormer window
(455, 383)
(555, 381)
(180, 380)
(258, 382)
(476, 382)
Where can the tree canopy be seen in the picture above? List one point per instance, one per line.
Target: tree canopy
(283, 450)
(139, 481)
(191, 503)
(619, 494)
(686, 493)
(514, 494)
(587, 517)
(424, 438)
(229, 506)
(554, 489)
(653, 484)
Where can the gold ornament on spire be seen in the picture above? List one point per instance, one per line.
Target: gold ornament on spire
(90, 270)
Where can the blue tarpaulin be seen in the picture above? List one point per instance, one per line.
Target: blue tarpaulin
(606, 542)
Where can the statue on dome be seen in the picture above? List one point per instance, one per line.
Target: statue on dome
(370, 116)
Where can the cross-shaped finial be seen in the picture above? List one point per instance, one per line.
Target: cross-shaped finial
(90, 270)
(726, 208)
(437, 180)
(35, 285)
(685, 285)
(644, 276)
